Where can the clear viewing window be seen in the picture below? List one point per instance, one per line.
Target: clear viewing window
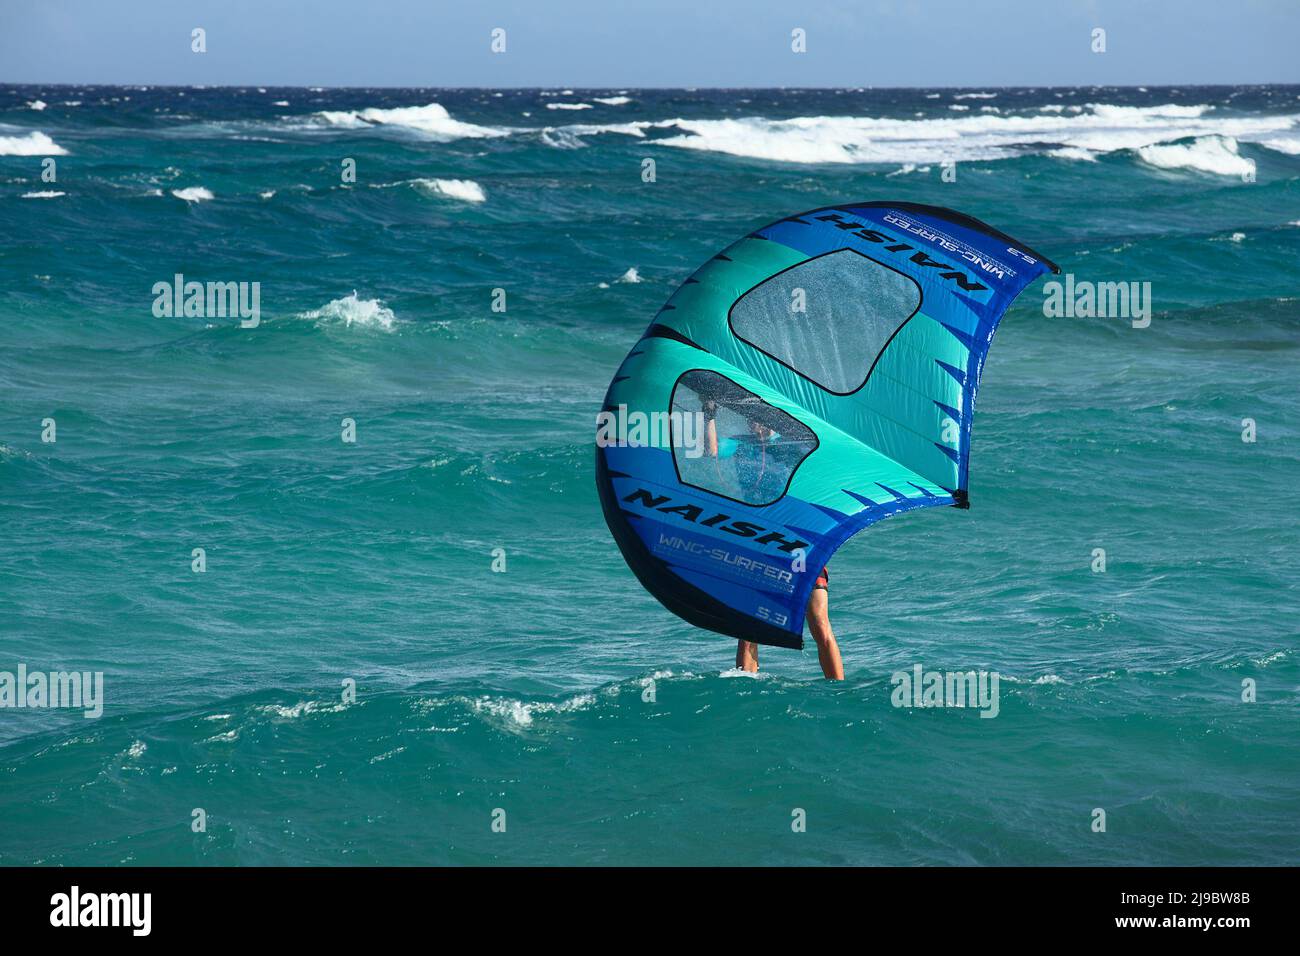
(827, 318)
(747, 450)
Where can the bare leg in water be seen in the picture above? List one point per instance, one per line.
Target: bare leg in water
(819, 625)
(747, 656)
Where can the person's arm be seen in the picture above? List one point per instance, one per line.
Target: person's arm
(711, 429)
(710, 410)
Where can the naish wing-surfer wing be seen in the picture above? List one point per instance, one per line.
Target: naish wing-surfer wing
(815, 377)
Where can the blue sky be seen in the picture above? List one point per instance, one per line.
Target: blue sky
(621, 43)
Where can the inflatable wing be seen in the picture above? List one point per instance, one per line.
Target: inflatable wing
(815, 377)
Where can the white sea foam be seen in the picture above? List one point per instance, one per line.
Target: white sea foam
(1066, 132)
(613, 100)
(1074, 153)
(637, 129)
(431, 120)
(44, 194)
(466, 190)
(302, 707)
(352, 310)
(518, 713)
(1282, 143)
(193, 194)
(33, 144)
(37, 105)
(562, 139)
(630, 276)
(1207, 154)
(1100, 128)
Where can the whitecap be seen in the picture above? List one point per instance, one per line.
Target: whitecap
(33, 144)
(1207, 154)
(466, 190)
(352, 310)
(519, 714)
(193, 194)
(431, 120)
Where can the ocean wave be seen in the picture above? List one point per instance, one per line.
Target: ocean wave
(193, 194)
(466, 190)
(303, 707)
(1075, 153)
(635, 129)
(1281, 143)
(562, 139)
(44, 194)
(352, 310)
(33, 144)
(1207, 154)
(517, 714)
(1056, 130)
(431, 120)
(1100, 128)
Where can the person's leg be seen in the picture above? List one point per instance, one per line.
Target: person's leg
(819, 624)
(747, 656)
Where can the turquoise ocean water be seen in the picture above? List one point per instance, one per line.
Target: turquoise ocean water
(559, 691)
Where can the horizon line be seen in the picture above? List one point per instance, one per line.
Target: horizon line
(605, 89)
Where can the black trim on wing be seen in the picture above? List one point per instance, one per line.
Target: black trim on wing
(684, 599)
(939, 212)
